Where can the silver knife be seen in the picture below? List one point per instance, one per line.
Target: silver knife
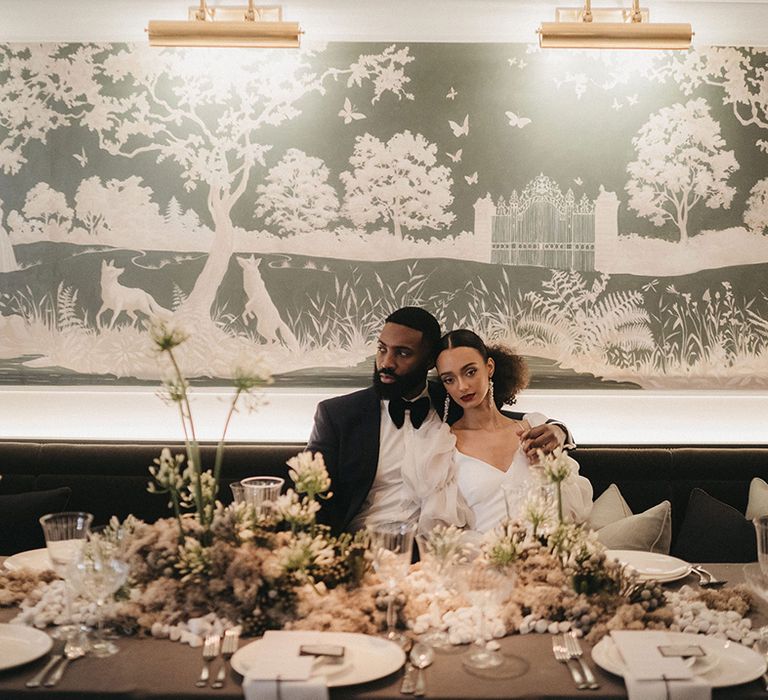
(408, 684)
(57, 654)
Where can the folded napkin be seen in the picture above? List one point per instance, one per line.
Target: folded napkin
(281, 674)
(652, 676)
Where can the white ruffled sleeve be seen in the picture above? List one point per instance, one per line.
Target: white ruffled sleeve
(429, 477)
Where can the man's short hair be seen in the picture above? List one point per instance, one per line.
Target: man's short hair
(420, 320)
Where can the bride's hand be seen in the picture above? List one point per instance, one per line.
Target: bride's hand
(544, 437)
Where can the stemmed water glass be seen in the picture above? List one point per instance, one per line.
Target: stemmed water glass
(439, 551)
(97, 572)
(65, 534)
(484, 586)
(392, 548)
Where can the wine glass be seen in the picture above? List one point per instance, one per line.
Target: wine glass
(439, 550)
(97, 572)
(391, 548)
(65, 534)
(484, 586)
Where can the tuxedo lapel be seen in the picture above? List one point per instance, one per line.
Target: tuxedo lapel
(367, 434)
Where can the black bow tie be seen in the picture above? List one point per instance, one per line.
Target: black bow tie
(418, 410)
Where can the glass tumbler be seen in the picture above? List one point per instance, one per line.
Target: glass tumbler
(261, 492)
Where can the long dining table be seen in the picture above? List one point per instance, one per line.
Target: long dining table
(157, 669)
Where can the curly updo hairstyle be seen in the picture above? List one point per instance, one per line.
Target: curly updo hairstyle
(510, 375)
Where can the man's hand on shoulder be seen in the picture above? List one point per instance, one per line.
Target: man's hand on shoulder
(544, 437)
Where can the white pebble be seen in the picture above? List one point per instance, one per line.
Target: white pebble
(493, 645)
(564, 626)
(732, 615)
(541, 626)
(734, 634)
(690, 629)
(525, 627)
(174, 634)
(553, 628)
(746, 623)
(195, 641)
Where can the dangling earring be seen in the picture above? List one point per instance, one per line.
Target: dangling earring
(490, 392)
(446, 407)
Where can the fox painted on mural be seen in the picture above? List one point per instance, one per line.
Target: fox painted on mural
(261, 307)
(118, 298)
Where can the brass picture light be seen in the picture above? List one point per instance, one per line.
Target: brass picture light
(611, 28)
(247, 27)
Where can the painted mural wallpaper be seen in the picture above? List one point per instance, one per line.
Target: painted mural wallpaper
(606, 213)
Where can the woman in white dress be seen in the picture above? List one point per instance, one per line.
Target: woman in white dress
(476, 473)
(489, 460)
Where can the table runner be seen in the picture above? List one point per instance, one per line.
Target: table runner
(162, 670)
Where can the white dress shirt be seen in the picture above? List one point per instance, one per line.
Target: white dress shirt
(387, 501)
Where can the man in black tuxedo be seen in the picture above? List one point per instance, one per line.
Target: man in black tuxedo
(359, 434)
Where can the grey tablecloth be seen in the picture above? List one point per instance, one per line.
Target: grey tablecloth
(158, 669)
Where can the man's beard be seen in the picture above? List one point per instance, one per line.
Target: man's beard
(404, 383)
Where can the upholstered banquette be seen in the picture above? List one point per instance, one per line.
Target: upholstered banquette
(108, 478)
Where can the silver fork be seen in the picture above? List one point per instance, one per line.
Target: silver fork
(561, 655)
(573, 648)
(228, 648)
(210, 652)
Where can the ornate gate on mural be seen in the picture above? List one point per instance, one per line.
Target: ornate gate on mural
(544, 228)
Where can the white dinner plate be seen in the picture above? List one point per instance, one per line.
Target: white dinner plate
(366, 658)
(732, 663)
(649, 565)
(35, 559)
(20, 644)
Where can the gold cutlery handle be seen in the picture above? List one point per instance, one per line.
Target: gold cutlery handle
(55, 677)
(37, 680)
(220, 677)
(592, 683)
(408, 684)
(578, 679)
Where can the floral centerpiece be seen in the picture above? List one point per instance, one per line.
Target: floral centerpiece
(234, 565)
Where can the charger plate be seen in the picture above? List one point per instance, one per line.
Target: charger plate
(732, 663)
(649, 565)
(35, 559)
(366, 658)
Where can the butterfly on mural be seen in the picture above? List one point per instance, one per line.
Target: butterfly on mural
(455, 157)
(460, 129)
(616, 105)
(451, 94)
(578, 181)
(348, 112)
(471, 179)
(631, 100)
(81, 158)
(515, 120)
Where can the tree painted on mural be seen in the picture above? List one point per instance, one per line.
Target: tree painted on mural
(199, 109)
(756, 211)
(296, 195)
(742, 73)
(681, 161)
(398, 181)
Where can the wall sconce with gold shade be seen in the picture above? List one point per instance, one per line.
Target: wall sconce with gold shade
(611, 28)
(227, 26)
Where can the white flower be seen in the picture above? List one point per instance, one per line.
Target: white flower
(556, 465)
(166, 473)
(309, 474)
(304, 552)
(295, 511)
